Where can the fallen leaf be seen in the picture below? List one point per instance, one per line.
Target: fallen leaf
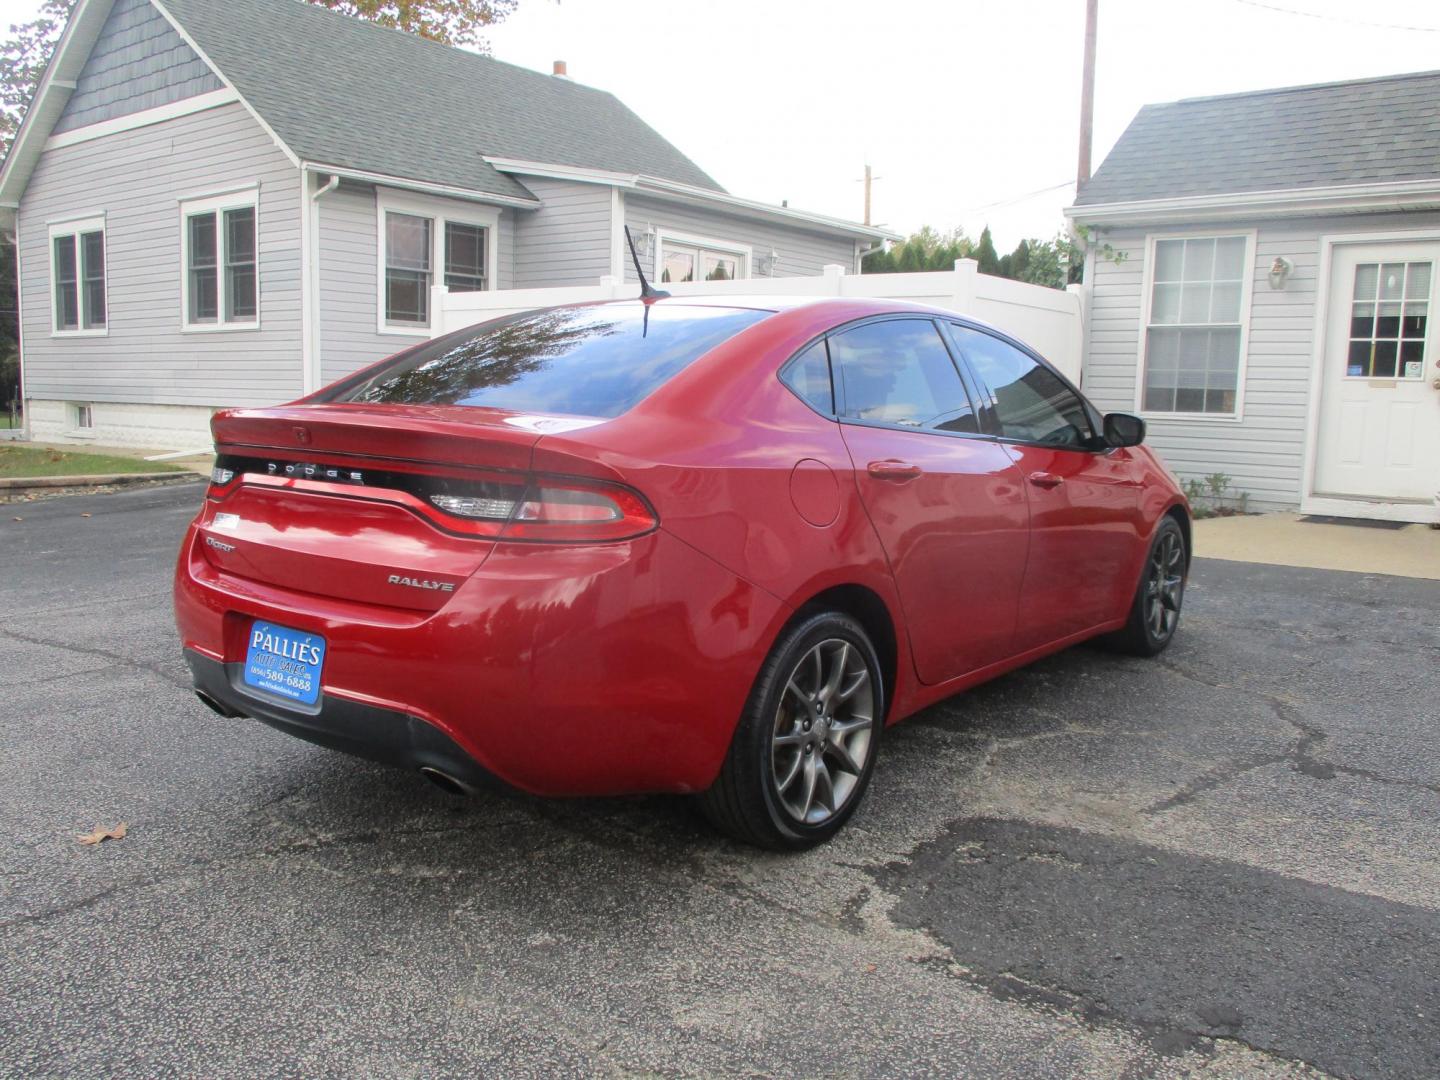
(84, 515)
(117, 833)
(19, 519)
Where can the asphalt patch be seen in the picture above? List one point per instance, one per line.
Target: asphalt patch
(1187, 949)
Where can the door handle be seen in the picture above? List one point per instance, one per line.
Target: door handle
(893, 470)
(1046, 479)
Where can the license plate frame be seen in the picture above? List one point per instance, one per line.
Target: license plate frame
(284, 663)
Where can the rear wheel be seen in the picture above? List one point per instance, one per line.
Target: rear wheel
(805, 747)
(1155, 612)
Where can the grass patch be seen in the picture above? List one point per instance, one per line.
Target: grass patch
(17, 459)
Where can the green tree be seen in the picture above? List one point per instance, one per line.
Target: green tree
(985, 254)
(1054, 263)
(23, 57)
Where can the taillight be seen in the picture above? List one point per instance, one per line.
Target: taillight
(558, 509)
(499, 505)
(561, 509)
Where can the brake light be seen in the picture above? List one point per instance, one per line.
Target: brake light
(559, 510)
(500, 505)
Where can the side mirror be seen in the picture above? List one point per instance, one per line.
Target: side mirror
(1122, 429)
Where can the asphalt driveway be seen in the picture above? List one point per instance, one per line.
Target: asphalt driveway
(1222, 863)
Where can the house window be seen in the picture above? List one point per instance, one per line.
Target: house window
(1199, 289)
(684, 259)
(221, 281)
(84, 418)
(425, 243)
(407, 269)
(464, 257)
(77, 272)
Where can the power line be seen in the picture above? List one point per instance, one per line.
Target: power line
(1018, 198)
(1336, 18)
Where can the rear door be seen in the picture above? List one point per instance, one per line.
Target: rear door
(1085, 523)
(946, 501)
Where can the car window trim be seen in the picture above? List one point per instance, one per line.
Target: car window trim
(1091, 413)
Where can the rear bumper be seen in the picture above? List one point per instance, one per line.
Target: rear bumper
(367, 731)
(610, 669)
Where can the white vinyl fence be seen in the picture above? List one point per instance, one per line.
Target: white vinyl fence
(1048, 320)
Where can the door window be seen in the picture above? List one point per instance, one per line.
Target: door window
(900, 372)
(1032, 403)
(1388, 316)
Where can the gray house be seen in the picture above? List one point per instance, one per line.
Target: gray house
(234, 202)
(1262, 273)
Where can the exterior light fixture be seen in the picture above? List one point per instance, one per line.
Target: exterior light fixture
(1280, 270)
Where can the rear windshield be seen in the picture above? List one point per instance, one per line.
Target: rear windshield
(591, 361)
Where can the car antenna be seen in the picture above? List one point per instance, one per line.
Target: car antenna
(648, 292)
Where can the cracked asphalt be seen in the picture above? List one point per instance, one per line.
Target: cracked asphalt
(1223, 863)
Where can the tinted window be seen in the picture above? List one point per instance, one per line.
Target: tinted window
(809, 376)
(1032, 404)
(899, 372)
(592, 361)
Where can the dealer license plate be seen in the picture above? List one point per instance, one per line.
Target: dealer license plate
(284, 663)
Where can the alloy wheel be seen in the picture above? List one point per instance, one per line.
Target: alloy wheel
(1165, 586)
(822, 735)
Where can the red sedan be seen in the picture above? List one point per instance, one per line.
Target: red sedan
(678, 545)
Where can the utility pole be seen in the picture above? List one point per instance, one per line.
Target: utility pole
(868, 181)
(1087, 94)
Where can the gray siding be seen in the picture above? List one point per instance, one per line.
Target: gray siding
(139, 62)
(349, 255)
(1264, 452)
(566, 241)
(136, 179)
(802, 253)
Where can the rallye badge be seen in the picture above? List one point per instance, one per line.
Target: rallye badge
(422, 583)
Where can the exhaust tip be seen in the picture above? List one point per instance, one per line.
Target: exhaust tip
(215, 706)
(445, 782)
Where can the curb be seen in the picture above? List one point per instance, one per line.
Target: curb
(25, 483)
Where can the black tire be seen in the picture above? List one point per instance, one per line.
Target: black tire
(747, 800)
(1162, 581)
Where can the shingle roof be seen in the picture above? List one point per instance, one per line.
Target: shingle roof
(1368, 131)
(339, 91)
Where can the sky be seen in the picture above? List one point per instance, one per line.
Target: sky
(967, 110)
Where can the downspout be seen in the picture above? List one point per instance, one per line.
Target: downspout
(860, 254)
(310, 251)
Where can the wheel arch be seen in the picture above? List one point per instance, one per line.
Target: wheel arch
(1182, 518)
(869, 609)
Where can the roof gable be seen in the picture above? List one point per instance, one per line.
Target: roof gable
(1375, 131)
(138, 62)
(340, 91)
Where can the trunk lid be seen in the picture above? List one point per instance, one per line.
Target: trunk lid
(337, 500)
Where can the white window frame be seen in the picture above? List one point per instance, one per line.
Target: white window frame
(74, 411)
(238, 199)
(1147, 294)
(439, 212)
(74, 228)
(704, 243)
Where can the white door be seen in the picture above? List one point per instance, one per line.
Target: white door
(1379, 431)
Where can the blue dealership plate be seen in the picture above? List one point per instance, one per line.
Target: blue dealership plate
(284, 663)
